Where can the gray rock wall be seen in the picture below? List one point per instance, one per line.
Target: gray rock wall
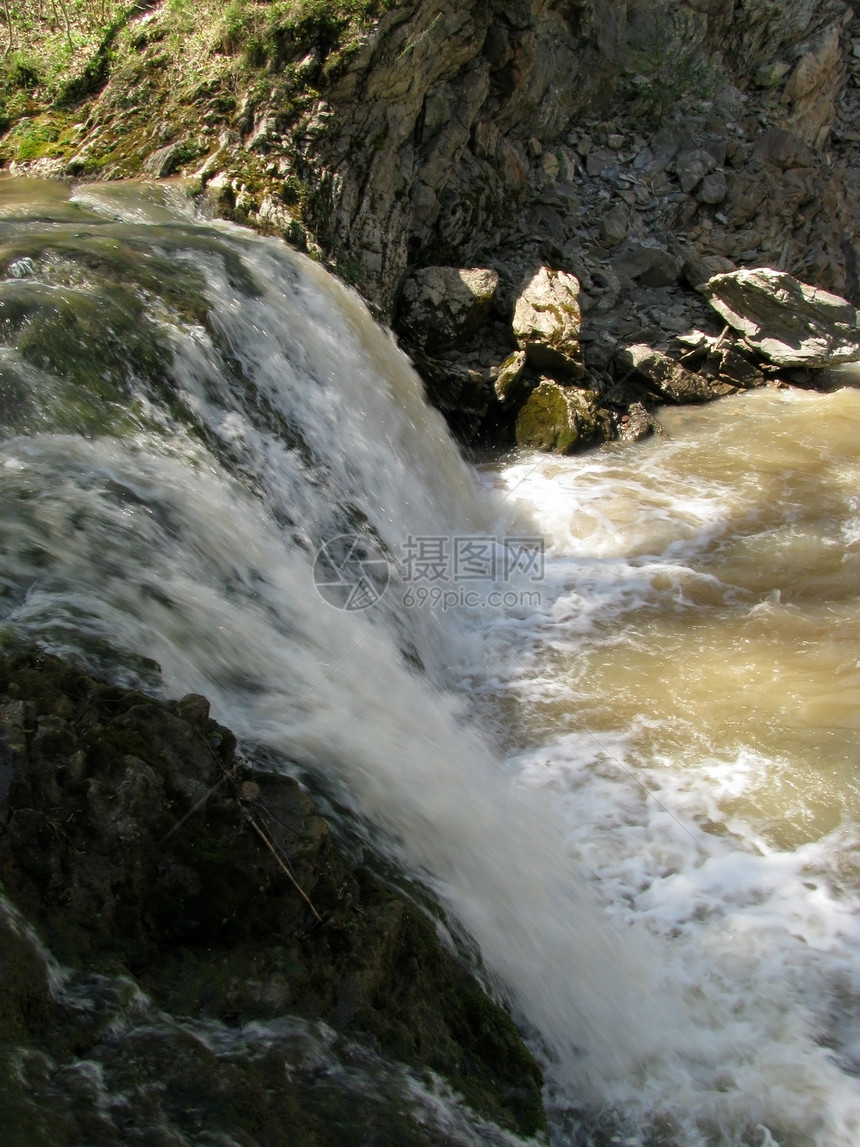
(436, 137)
(429, 143)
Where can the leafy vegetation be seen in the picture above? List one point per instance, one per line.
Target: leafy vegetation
(57, 52)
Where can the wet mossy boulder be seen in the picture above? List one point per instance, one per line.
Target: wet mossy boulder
(560, 419)
(192, 929)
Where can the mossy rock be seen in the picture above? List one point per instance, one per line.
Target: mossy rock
(559, 419)
(510, 386)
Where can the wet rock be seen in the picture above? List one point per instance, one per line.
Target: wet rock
(786, 321)
(546, 322)
(663, 377)
(441, 307)
(559, 419)
(166, 873)
(462, 393)
(637, 423)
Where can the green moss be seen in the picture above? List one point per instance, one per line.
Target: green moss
(545, 421)
(32, 138)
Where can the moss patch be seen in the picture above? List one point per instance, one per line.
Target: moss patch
(545, 421)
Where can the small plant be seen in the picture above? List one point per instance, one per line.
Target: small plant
(21, 73)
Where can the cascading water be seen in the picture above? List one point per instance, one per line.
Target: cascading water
(191, 413)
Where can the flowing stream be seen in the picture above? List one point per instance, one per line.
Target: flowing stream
(606, 707)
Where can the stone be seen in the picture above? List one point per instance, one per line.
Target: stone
(546, 220)
(663, 376)
(770, 75)
(814, 87)
(549, 166)
(596, 161)
(558, 419)
(786, 321)
(262, 135)
(648, 265)
(613, 226)
(713, 189)
(275, 215)
(546, 322)
(441, 307)
(509, 385)
(172, 914)
(782, 148)
(691, 167)
(636, 423)
(698, 269)
(735, 368)
(164, 161)
(461, 393)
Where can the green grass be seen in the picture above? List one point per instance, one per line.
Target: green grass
(56, 53)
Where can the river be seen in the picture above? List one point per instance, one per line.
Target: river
(606, 706)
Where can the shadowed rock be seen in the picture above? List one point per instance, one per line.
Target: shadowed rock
(198, 906)
(440, 307)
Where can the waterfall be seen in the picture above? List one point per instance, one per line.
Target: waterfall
(191, 415)
(285, 418)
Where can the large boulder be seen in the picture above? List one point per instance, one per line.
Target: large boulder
(664, 377)
(547, 319)
(441, 307)
(559, 419)
(786, 321)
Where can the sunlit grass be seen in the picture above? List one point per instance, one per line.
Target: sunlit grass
(57, 52)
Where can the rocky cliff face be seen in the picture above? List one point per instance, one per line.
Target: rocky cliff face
(427, 153)
(643, 147)
(456, 123)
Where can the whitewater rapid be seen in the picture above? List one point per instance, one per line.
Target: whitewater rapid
(685, 974)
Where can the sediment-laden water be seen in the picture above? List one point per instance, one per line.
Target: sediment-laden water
(607, 707)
